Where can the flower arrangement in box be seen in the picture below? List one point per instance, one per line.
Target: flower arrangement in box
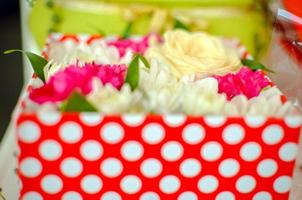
(160, 117)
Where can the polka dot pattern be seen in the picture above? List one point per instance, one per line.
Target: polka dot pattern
(91, 119)
(190, 167)
(233, 134)
(91, 184)
(112, 133)
(181, 157)
(51, 184)
(71, 167)
(30, 167)
(91, 150)
(71, 195)
(29, 132)
(131, 184)
(71, 132)
(153, 133)
(111, 167)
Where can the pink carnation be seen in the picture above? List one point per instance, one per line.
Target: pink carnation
(247, 82)
(62, 84)
(137, 46)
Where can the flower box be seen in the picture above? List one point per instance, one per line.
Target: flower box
(75, 156)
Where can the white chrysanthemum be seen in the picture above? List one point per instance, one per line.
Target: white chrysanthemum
(163, 100)
(202, 98)
(61, 55)
(268, 103)
(108, 100)
(157, 77)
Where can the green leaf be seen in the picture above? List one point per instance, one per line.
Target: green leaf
(37, 62)
(132, 77)
(127, 32)
(254, 65)
(179, 25)
(77, 103)
(144, 60)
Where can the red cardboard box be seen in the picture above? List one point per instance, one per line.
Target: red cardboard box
(89, 156)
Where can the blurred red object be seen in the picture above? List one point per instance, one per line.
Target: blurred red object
(290, 26)
(295, 7)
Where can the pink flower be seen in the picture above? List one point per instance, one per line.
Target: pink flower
(247, 82)
(137, 46)
(62, 84)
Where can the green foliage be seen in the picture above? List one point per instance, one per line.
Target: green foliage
(132, 77)
(255, 65)
(77, 103)
(179, 25)
(37, 62)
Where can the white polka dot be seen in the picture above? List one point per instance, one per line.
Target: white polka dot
(208, 184)
(149, 196)
(151, 168)
(50, 150)
(153, 133)
(133, 120)
(29, 132)
(193, 134)
(111, 196)
(32, 196)
(71, 132)
(71, 167)
(169, 184)
(267, 168)
(187, 196)
(211, 151)
(72, 196)
(91, 150)
(282, 184)
(215, 121)
(272, 134)
(250, 151)
(112, 133)
(174, 120)
(233, 134)
(255, 121)
(91, 184)
(190, 168)
(111, 167)
(288, 152)
(132, 151)
(91, 119)
(172, 151)
(294, 121)
(51, 184)
(229, 168)
(225, 196)
(246, 184)
(30, 167)
(131, 184)
(49, 118)
(263, 196)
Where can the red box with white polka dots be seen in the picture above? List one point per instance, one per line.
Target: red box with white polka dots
(85, 156)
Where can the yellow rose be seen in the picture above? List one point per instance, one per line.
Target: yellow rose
(194, 53)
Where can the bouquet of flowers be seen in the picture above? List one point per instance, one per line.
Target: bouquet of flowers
(179, 73)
